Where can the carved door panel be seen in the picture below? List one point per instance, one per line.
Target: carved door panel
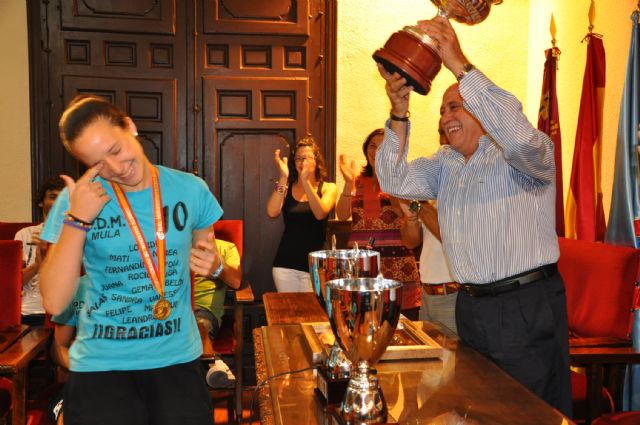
(131, 52)
(245, 188)
(262, 83)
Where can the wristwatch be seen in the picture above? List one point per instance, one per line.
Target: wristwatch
(415, 206)
(466, 68)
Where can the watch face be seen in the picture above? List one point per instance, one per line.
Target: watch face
(414, 206)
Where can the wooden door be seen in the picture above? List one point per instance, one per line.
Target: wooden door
(214, 86)
(131, 52)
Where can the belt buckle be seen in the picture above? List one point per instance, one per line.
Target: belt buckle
(469, 289)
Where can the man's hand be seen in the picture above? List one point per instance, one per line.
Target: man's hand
(397, 91)
(441, 31)
(86, 197)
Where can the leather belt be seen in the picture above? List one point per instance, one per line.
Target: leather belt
(445, 288)
(509, 283)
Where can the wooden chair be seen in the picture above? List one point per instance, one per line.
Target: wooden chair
(19, 344)
(600, 281)
(230, 339)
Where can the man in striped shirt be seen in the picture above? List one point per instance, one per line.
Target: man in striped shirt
(495, 186)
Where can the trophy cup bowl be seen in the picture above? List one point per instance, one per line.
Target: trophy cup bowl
(338, 264)
(414, 55)
(325, 266)
(364, 314)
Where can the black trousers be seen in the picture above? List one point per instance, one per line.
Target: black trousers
(525, 332)
(172, 395)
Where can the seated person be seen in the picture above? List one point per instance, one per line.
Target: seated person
(63, 335)
(209, 305)
(33, 251)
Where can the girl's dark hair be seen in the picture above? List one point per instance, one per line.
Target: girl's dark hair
(86, 109)
(321, 170)
(367, 170)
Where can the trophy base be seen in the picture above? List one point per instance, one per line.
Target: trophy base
(416, 61)
(334, 417)
(330, 390)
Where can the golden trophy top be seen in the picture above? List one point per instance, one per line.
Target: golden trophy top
(465, 11)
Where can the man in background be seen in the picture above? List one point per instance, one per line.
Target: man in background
(33, 251)
(209, 300)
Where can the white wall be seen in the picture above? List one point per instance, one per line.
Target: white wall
(15, 145)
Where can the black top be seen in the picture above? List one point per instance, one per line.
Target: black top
(303, 234)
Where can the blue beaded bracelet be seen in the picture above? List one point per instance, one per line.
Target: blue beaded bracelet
(76, 225)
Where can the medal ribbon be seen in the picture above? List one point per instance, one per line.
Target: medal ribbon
(155, 273)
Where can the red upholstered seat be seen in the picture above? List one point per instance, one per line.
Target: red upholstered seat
(230, 339)
(8, 230)
(600, 281)
(619, 418)
(10, 282)
(231, 231)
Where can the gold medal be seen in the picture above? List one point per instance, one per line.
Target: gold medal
(161, 309)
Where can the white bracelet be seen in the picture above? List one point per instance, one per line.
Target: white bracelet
(217, 272)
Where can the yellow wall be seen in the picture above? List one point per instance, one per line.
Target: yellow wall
(613, 22)
(508, 47)
(365, 25)
(15, 161)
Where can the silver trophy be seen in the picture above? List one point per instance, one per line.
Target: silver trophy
(336, 264)
(364, 313)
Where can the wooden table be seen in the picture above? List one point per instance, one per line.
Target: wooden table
(18, 346)
(462, 384)
(285, 308)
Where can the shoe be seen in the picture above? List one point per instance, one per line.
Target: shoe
(220, 376)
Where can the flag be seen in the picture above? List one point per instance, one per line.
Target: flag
(625, 209)
(585, 213)
(549, 122)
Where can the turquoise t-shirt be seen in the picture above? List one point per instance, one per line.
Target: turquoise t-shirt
(116, 329)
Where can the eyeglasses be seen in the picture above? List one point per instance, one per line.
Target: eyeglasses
(302, 158)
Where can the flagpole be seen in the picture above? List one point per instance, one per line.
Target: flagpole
(624, 215)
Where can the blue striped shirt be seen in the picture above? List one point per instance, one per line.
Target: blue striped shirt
(497, 211)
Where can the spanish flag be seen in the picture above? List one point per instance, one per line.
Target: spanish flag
(585, 214)
(549, 122)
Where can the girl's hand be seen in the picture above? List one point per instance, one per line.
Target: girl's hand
(86, 197)
(308, 169)
(204, 258)
(350, 172)
(282, 164)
